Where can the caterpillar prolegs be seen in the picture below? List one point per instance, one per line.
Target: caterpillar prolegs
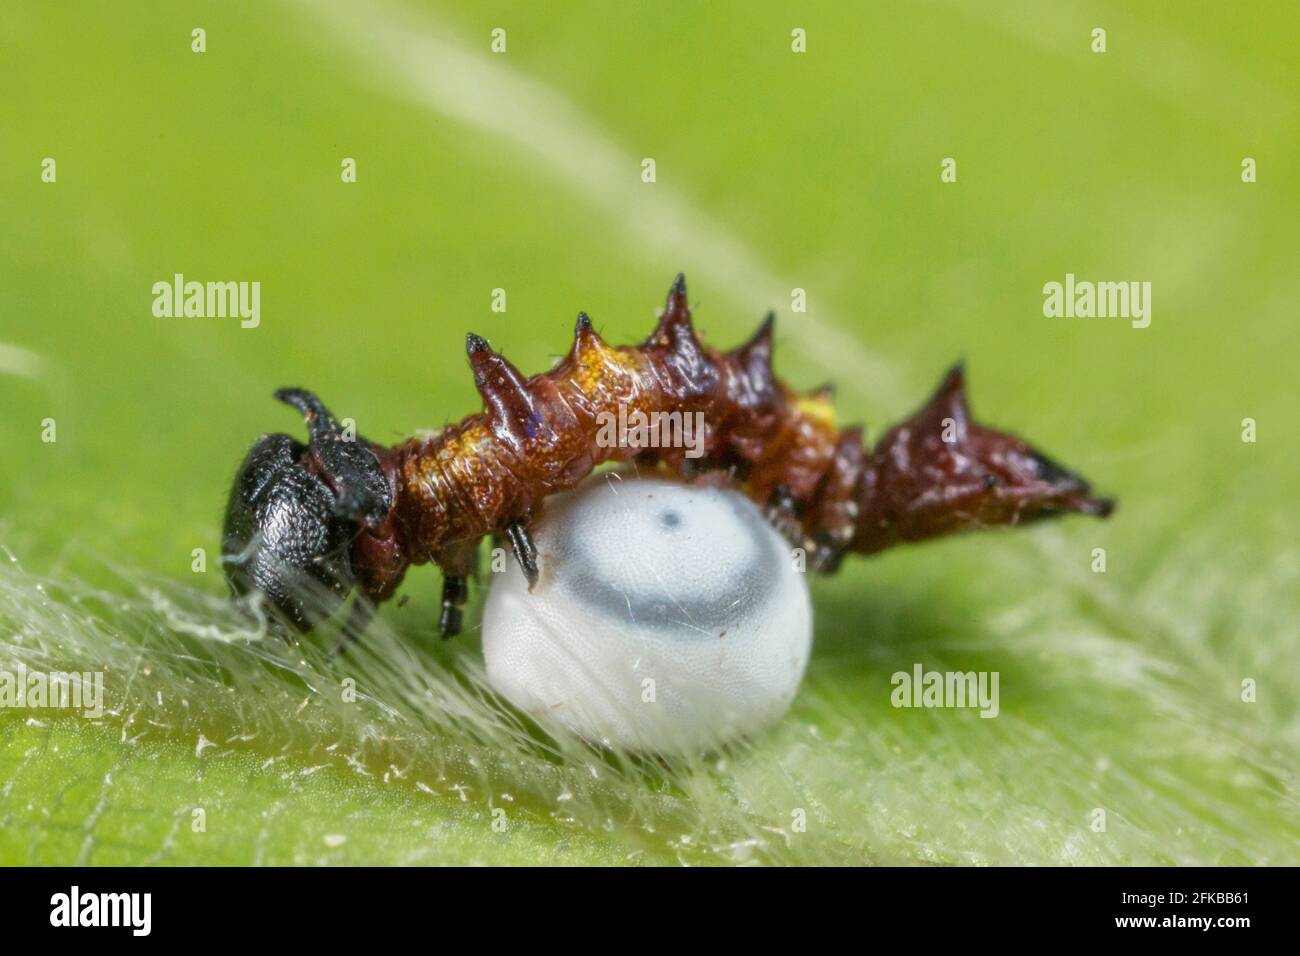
(308, 523)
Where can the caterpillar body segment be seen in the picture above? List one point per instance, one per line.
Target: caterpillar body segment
(434, 499)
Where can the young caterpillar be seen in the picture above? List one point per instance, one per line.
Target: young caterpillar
(306, 524)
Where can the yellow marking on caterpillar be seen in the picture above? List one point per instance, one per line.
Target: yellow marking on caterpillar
(818, 409)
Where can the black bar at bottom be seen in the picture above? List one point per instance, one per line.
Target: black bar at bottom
(338, 906)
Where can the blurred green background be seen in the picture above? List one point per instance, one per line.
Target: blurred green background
(774, 170)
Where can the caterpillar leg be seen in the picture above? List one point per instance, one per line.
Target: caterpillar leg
(455, 591)
(827, 556)
(782, 514)
(521, 543)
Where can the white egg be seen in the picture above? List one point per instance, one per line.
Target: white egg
(667, 618)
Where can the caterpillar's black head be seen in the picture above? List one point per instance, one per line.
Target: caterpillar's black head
(294, 512)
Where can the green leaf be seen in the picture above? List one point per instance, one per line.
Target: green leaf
(1120, 691)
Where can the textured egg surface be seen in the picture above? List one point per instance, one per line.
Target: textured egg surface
(667, 618)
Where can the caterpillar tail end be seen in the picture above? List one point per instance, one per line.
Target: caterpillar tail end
(939, 472)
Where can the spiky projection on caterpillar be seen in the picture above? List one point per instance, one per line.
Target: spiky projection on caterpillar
(306, 524)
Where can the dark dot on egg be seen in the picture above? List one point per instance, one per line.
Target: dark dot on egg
(670, 519)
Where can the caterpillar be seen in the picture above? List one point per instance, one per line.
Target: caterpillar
(307, 524)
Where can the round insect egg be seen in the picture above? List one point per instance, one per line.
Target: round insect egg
(667, 618)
